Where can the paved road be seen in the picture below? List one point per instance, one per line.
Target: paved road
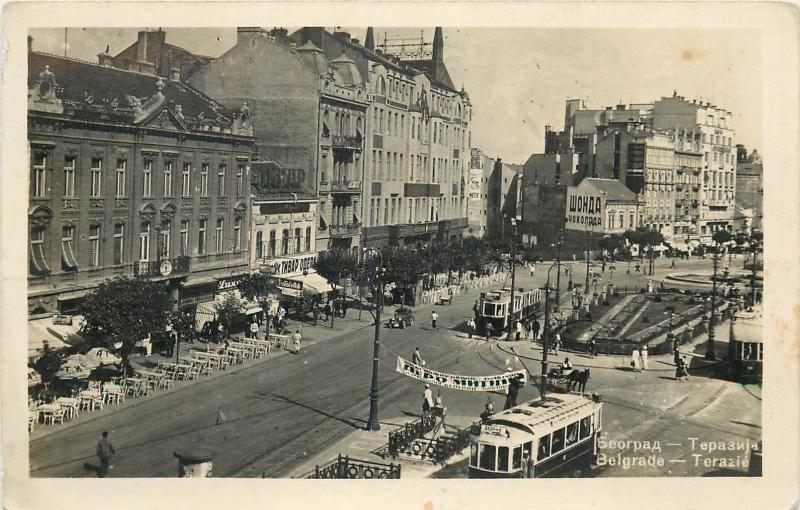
(284, 409)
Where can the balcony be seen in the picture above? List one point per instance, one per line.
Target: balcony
(679, 186)
(347, 142)
(346, 186)
(176, 266)
(349, 230)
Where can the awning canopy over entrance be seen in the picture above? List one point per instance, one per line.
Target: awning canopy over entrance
(57, 336)
(312, 282)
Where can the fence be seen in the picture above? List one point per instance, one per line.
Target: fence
(437, 449)
(401, 439)
(435, 296)
(343, 467)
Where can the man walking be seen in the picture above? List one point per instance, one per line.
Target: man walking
(105, 450)
(254, 329)
(535, 325)
(427, 401)
(644, 357)
(296, 339)
(471, 327)
(434, 318)
(417, 358)
(518, 328)
(533, 269)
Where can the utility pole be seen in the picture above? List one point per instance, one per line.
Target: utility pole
(545, 335)
(588, 245)
(511, 319)
(558, 265)
(753, 276)
(710, 354)
(374, 424)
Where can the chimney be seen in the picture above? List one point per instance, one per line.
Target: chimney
(281, 35)
(369, 41)
(30, 43)
(174, 74)
(104, 59)
(355, 41)
(438, 45)
(342, 36)
(141, 47)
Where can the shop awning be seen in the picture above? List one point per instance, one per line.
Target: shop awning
(313, 282)
(38, 260)
(67, 255)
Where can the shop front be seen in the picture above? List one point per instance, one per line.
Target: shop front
(206, 309)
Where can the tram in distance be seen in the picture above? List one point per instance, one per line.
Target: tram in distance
(540, 438)
(746, 346)
(494, 308)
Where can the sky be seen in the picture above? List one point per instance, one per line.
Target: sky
(518, 79)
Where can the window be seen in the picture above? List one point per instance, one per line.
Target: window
(221, 180)
(298, 240)
(544, 447)
(285, 243)
(502, 458)
(237, 234)
(204, 180)
(38, 263)
(558, 441)
(144, 243)
(259, 245)
(487, 457)
(186, 188)
(119, 243)
(184, 237)
(69, 176)
(164, 237)
(572, 433)
(218, 237)
(121, 166)
(308, 239)
(68, 262)
(147, 178)
(272, 243)
(97, 177)
(202, 225)
(39, 175)
(168, 178)
(516, 459)
(239, 180)
(473, 454)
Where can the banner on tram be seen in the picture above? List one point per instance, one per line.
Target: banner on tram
(458, 382)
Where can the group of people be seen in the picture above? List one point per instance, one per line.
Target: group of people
(336, 307)
(639, 359)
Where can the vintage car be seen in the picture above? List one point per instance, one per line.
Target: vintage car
(403, 318)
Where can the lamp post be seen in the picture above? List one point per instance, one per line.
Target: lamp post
(559, 239)
(710, 353)
(513, 278)
(588, 247)
(377, 272)
(545, 333)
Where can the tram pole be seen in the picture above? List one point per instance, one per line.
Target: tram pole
(545, 334)
(374, 424)
(710, 354)
(559, 234)
(511, 320)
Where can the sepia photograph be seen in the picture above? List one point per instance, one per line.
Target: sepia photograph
(396, 251)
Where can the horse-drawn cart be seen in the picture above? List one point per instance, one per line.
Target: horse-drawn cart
(559, 381)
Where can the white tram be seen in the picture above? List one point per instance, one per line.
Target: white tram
(540, 438)
(746, 345)
(494, 308)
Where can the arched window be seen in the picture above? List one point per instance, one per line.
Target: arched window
(381, 86)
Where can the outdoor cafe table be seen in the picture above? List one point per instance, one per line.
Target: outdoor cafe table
(153, 378)
(137, 384)
(234, 354)
(248, 349)
(45, 409)
(213, 359)
(68, 405)
(94, 396)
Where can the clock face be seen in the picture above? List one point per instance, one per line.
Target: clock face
(166, 268)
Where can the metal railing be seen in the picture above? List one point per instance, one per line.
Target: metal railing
(438, 449)
(401, 439)
(344, 467)
(346, 142)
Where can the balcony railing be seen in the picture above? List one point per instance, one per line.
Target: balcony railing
(346, 186)
(346, 142)
(178, 266)
(350, 230)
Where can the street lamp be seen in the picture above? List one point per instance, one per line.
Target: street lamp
(710, 354)
(546, 333)
(513, 266)
(377, 272)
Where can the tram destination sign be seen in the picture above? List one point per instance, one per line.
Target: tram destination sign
(458, 382)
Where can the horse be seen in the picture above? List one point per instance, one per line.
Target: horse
(578, 379)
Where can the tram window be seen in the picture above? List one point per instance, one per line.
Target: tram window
(558, 440)
(516, 458)
(527, 449)
(544, 447)
(750, 352)
(760, 352)
(488, 309)
(586, 427)
(502, 458)
(487, 457)
(473, 457)
(572, 433)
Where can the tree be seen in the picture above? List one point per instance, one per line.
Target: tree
(227, 310)
(404, 267)
(646, 238)
(337, 264)
(612, 243)
(256, 287)
(126, 310)
(721, 237)
(48, 364)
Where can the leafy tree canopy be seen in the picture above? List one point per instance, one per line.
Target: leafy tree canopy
(337, 264)
(721, 236)
(126, 310)
(228, 309)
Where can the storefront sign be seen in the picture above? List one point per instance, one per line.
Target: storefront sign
(63, 319)
(585, 210)
(289, 284)
(458, 382)
(284, 267)
(224, 284)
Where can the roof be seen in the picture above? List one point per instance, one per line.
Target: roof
(436, 71)
(614, 190)
(87, 83)
(538, 413)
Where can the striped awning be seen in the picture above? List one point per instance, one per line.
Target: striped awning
(68, 255)
(38, 260)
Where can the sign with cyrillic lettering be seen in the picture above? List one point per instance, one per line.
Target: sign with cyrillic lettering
(458, 382)
(585, 210)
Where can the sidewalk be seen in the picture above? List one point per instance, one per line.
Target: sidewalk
(367, 445)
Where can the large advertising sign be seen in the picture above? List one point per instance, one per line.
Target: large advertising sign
(458, 382)
(585, 209)
(293, 266)
(270, 178)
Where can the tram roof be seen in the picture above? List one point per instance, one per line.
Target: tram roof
(550, 413)
(503, 294)
(748, 326)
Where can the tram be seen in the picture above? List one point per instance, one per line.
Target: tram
(541, 438)
(746, 346)
(494, 308)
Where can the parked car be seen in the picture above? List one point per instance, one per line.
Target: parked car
(403, 318)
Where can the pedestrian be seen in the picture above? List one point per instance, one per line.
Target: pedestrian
(220, 331)
(489, 331)
(296, 339)
(592, 347)
(470, 327)
(475, 309)
(254, 329)
(105, 450)
(417, 358)
(518, 331)
(344, 309)
(535, 325)
(326, 310)
(434, 317)
(672, 265)
(427, 401)
(450, 296)
(488, 410)
(644, 357)
(638, 268)
(220, 416)
(635, 360)
(684, 369)
(513, 391)
(557, 343)
(533, 269)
